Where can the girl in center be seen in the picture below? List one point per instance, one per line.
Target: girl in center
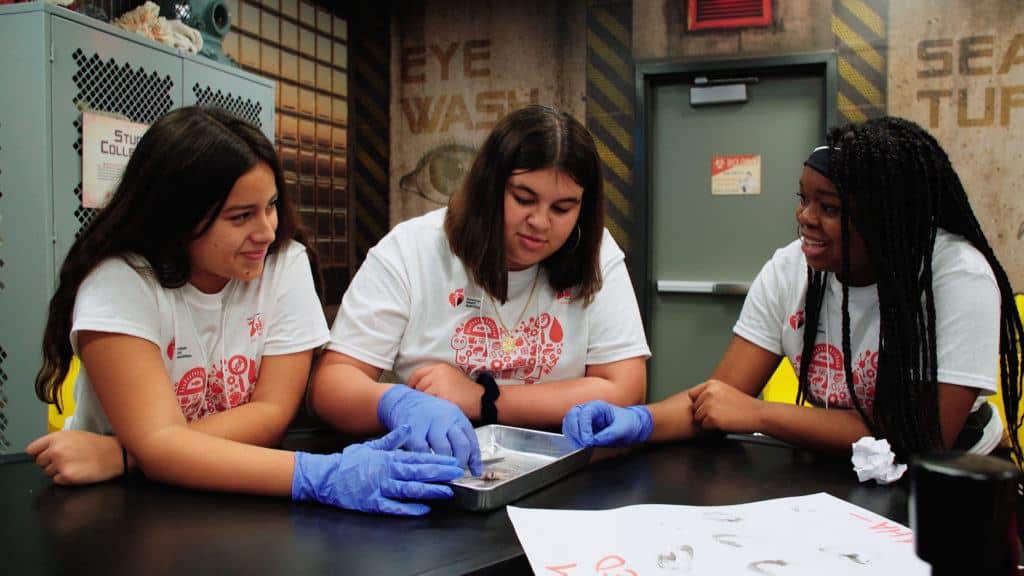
(509, 306)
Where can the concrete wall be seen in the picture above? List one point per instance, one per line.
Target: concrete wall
(457, 67)
(957, 68)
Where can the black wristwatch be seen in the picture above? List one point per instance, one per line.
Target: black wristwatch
(488, 411)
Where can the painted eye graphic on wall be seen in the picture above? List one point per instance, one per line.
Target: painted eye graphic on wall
(439, 173)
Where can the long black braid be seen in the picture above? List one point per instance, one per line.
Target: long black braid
(898, 188)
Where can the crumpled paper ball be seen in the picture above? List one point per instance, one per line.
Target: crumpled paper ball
(874, 460)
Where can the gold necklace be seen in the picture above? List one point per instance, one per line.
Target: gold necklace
(508, 343)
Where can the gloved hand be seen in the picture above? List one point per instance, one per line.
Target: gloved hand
(369, 476)
(436, 424)
(599, 423)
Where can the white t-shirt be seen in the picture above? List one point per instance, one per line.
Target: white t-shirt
(212, 344)
(967, 318)
(414, 303)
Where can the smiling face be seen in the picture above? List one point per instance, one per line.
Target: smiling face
(541, 210)
(819, 215)
(236, 243)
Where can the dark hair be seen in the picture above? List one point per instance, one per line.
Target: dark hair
(531, 138)
(903, 189)
(172, 189)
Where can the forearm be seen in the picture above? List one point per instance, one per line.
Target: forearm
(181, 456)
(256, 423)
(673, 419)
(815, 428)
(544, 405)
(346, 398)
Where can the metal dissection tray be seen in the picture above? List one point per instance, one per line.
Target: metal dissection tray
(517, 461)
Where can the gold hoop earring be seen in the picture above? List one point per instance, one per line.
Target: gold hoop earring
(579, 238)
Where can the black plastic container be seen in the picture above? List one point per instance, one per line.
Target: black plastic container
(963, 511)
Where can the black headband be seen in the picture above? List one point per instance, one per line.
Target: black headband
(819, 161)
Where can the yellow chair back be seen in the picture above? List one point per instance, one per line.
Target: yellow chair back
(782, 386)
(54, 420)
(997, 398)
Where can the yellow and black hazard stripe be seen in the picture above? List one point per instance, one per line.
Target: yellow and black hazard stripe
(369, 131)
(860, 28)
(610, 100)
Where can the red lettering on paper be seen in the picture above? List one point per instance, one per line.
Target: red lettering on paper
(612, 562)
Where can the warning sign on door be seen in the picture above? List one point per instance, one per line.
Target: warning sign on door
(735, 175)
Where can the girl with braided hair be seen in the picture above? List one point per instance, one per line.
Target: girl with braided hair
(892, 293)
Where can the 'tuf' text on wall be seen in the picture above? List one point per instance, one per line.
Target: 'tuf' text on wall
(967, 57)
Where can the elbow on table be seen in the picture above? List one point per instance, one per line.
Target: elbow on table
(152, 452)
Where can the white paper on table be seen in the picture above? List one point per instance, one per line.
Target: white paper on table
(804, 535)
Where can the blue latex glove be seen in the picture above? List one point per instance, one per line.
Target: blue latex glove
(437, 425)
(599, 423)
(372, 476)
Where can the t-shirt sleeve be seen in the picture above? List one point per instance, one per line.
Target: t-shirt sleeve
(117, 298)
(967, 316)
(761, 318)
(614, 326)
(299, 323)
(375, 309)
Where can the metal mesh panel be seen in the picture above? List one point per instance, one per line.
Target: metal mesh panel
(244, 108)
(107, 86)
(4, 442)
(1, 218)
(2, 286)
(82, 214)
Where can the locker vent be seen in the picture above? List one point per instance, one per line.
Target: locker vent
(718, 14)
(4, 442)
(2, 285)
(244, 108)
(83, 215)
(107, 86)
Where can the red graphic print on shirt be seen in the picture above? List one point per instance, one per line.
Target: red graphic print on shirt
(202, 392)
(536, 346)
(190, 392)
(237, 364)
(170, 349)
(865, 375)
(456, 297)
(256, 325)
(796, 321)
(564, 296)
(471, 342)
(827, 377)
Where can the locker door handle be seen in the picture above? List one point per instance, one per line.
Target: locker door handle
(703, 287)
